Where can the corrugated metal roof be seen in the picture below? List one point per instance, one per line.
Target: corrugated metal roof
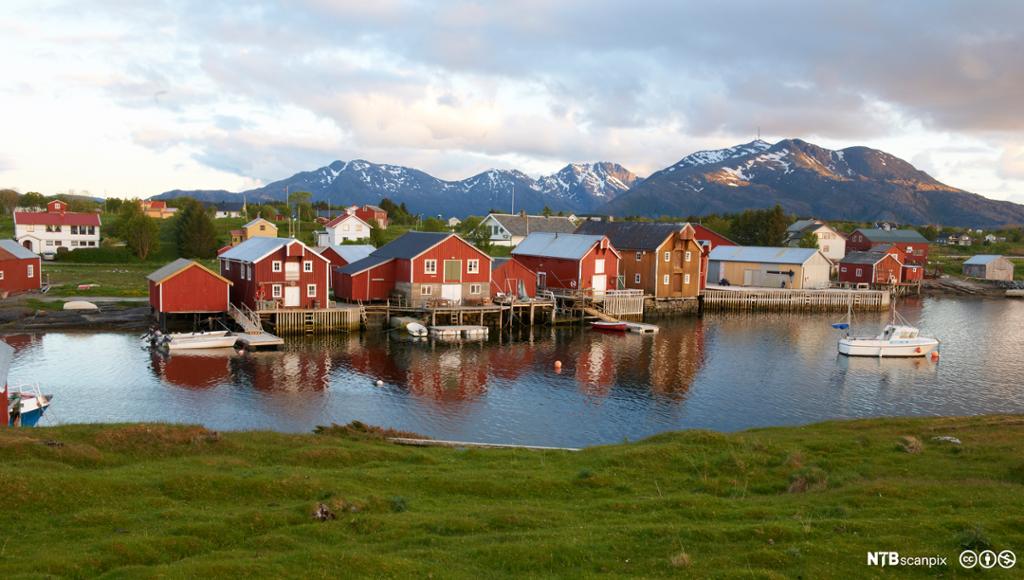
(982, 259)
(17, 250)
(255, 249)
(350, 252)
(519, 225)
(631, 235)
(879, 235)
(862, 258)
(168, 269)
(564, 246)
(761, 254)
(364, 264)
(412, 244)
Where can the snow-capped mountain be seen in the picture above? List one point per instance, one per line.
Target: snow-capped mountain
(855, 183)
(579, 187)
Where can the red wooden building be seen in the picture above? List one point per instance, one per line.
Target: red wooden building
(187, 287)
(20, 269)
(570, 261)
(420, 267)
(913, 245)
(370, 213)
(510, 277)
(873, 268)
(345, 254)
(269, 273)
(710, 238)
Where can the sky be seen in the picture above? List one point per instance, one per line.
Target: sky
(126, 98)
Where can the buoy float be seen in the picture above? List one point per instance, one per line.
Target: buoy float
(935, 356)
(380, 383)
(558, 364)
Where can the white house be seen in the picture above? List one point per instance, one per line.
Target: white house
(44, 232)
(343, 228)
(510, 229)
(830, 242)
(453, 222)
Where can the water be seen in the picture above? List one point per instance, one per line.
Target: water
(722, 372)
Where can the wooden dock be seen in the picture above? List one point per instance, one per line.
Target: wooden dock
(642, 328)
(830, 299)
(499, 314)
(262, 340)
(313, 320)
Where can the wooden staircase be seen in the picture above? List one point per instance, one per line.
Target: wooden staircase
(246, 318)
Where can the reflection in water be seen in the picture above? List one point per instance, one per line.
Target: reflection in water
(723, 371)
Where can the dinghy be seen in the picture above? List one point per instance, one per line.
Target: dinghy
(610, 326)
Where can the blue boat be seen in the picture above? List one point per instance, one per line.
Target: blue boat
(20, 406)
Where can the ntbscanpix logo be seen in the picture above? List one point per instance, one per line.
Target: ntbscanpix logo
(894, 559)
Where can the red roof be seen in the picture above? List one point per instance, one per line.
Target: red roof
(49, 218)
(155, 204)
(342, 218)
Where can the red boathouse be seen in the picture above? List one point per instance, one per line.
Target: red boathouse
(273, 273)
(510, 277)
(570, 261)
(20, 269)
(188, 287)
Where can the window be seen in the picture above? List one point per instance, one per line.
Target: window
(473, 267)
(1, 274)
(227, 266)
(307, 266)
(430, 266)
(687, 255)
(599, 266)
(686, 278)
(474, 288)
(74, 230)
(311, 290)
(426, 290)
(843, 269)
(263, 227)
(275, 291)
(910, 249)
(636, 278)
(49, 242)
(664, 279)
(668, 256)
(74, 243)
(248, 271)
(860, 271)
(639, 256)
(31, 228)
(275, 266)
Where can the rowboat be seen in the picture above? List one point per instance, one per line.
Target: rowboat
(19, 406)
(609, 326)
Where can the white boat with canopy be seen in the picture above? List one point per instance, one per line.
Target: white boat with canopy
(898, 339)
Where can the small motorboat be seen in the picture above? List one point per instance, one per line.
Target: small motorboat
(19, 406)
(192, 340)
(416, 329)
(609, 326)
(895, 340)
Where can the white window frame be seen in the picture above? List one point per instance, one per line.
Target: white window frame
(430, 266)
(599, 266)
(665, 279)
(1, 274)
(860, 272)
(636, 278)
(310, 290)
(276, 266)
(843, 269)
(31, 271)
(475, 288)
(276, 291)
(688, 255)
(307, 266)
(668, 256)
(426, 290)
(473, 267)
(639, 256)
(686, 278)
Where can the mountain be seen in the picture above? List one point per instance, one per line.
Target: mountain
(578, 187)
(856, 183)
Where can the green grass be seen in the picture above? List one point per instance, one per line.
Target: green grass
(127, 279)
(183, 502)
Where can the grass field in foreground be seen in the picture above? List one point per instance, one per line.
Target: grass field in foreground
(162, 501)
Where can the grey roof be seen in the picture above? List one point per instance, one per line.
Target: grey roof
(350, 252)
(982, 259)
(406, 247)
(168, 269)
(550, 245)
(255, 249)
(17, 250)
(801, 225)
(519, 225)
(364, 264)
(631, 235)
(862, 257)
(877, 235)
(761, 254)
(498, 262)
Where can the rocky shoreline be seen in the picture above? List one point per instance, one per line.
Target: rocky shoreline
(109, 317)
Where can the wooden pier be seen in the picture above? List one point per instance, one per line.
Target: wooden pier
(312, 321)
(253, 336)
(497, 315)
(831, 299)
(261, 340)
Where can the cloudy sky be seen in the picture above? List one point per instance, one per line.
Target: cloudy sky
(135, 98)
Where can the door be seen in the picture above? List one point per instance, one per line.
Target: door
(600, 283)
(291, 296)
(542, 280)
(453, 271)
(748, 277)
(452, 292)
(677, 284)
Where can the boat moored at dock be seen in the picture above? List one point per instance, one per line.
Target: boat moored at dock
(19, 406)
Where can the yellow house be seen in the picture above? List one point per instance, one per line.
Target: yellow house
(259, 228)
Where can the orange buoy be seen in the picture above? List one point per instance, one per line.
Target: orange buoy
(935, 355)
(558, 364)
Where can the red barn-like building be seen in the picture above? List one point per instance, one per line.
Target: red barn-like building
(369, 214)
(345, 254)
(570, 261)
(421, 267)
(20, 269)
(510, 277)
(187, 287)
(870, 268)
(913, 245)
(710, 238)
(277, 272)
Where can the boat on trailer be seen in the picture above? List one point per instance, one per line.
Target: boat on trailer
(19, 406)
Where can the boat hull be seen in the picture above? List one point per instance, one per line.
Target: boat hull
(203, 342)
(610, 326)
(884, 349)
(30, 411)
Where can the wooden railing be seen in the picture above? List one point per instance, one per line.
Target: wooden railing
(623, 302)
(786, 299)
(246, 318)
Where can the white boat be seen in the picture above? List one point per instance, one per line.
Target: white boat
(19, 406)
(177, 335)
(897, 339)
(416, 329)
(200, 341)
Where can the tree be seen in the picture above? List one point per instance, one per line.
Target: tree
(929, 232)
(33, 199)
(127, 211)
(808, 240)
(142, 235)
(546, 211)
(377, 237)
(9, 199)
(268, 212)
(194, 231)
(113, 204)
(433, 224)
